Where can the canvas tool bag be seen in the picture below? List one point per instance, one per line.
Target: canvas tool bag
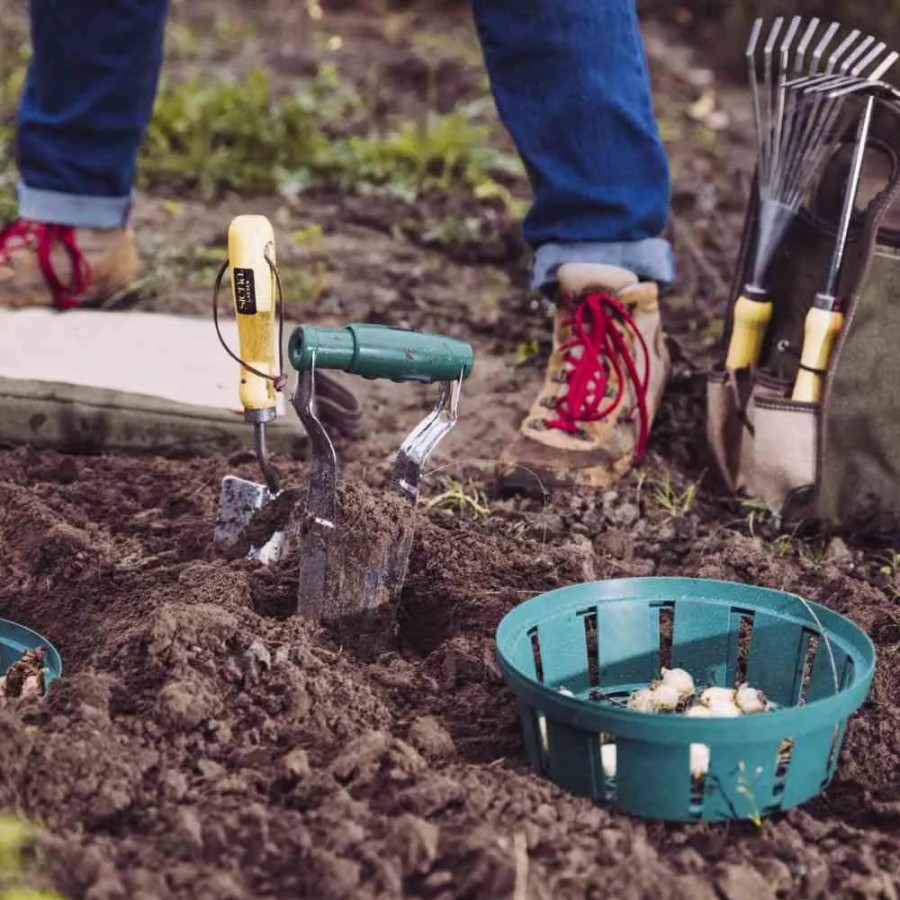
(836, 462)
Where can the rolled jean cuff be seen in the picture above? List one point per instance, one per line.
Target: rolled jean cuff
(77, 211)
(651, 259)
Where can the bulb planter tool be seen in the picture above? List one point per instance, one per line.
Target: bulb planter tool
(338, 580)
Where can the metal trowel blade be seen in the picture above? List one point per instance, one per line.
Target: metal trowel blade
(239, 501)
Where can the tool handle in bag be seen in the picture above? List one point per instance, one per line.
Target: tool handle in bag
(752, 314)
(377, 351)
(251, 257)
(820, 331)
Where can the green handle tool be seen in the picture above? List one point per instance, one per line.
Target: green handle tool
(371, 351)
(377, 351)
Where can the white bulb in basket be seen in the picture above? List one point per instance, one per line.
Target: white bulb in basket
(665, 697)
(678, 679)
(724, 709)
(642, 700)
(699, 760)
(717, 694)
(542, 727)
(750, 700)
(698, 712)
(608, 759)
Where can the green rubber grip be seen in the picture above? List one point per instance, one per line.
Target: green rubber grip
(377, 351)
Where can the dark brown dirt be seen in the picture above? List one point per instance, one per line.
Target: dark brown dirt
(197, 747)
(205, 744)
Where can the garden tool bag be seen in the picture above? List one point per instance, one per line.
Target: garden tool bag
(835, 462)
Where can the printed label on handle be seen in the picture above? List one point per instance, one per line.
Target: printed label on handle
(245, 292)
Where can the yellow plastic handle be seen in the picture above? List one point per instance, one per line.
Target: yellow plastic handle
(819, 334)
(251, 240)
(751, 318)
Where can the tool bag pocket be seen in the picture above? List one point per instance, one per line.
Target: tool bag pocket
(784, 455)
(836, 461)
(859, 446)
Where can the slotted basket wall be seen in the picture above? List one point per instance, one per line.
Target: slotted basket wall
(609, 637)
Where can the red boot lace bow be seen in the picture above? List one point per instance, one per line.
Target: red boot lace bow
(41, 237)
(599, 324)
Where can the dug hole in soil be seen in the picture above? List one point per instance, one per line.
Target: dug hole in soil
(204, 744)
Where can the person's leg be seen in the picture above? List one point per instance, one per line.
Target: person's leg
(86, 103)
(572, 88)
(88, 98)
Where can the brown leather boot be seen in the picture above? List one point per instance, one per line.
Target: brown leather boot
(604, 382)
(42, 264)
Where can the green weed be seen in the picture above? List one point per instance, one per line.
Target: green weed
(305, 281)
(443, 152)
(675, 501)
(12, 77)
(17, 836)
(526, 352)
(460, 499)
(210, 136)
(745, 788)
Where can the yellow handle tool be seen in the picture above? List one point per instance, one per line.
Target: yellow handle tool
(752, 313)
(251, 258)
(823, 325)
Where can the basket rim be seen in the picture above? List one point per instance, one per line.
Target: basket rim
(792, 721)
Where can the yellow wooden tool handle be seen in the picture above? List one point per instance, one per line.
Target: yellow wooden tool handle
(752, 314)
(819, 334)
(251, 244)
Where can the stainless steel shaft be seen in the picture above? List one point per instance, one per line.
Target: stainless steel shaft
(862, 139)
(321, 501)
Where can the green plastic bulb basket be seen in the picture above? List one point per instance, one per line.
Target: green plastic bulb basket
(15, 639)
(601, 640)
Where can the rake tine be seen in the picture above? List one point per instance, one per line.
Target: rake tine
(869, 58)
(856, 71)
(841, 50)
(820, 111)
(858, 51)
(790, 110)
(750, 57)
(783, 58)
(883, 67)
(823, 46)
(805, 41)
(767, 79)
(820, 145)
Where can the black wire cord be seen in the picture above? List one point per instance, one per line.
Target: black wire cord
(279, 380)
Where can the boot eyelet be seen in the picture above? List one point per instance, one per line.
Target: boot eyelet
(548, 402)
(537, 424)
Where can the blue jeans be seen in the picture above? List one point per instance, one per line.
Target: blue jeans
(569, 78)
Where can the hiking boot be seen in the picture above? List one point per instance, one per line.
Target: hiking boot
(604, 382)
(43, 264)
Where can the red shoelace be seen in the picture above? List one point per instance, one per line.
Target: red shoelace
(599, 323)
(41, 237)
